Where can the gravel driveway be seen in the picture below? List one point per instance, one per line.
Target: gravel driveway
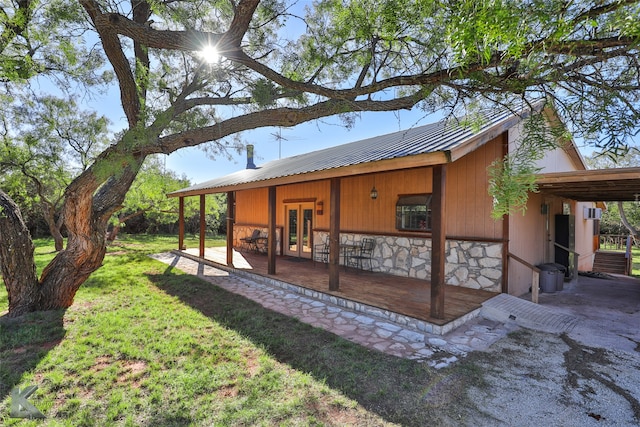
(589, 376)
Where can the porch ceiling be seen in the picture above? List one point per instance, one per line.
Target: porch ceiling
(603, 185)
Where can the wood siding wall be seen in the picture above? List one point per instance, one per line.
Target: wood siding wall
(468, 204)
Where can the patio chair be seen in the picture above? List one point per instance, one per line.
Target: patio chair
(356, 257)
(251, 241)
(320, 253)
(262, 244)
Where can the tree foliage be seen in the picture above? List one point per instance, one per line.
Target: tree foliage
(281, 66)
(47, 141)
(148, 197)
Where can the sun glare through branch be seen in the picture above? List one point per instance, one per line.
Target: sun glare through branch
(209, 54)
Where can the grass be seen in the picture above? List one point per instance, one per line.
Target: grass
(146, 345)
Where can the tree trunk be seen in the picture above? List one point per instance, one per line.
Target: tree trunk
(63, 276)
(54, 226)
(626, 223)
(86, 214)
(16, 258)
(111, 236)
(89, 203)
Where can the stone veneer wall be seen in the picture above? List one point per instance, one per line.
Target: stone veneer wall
(476, 265)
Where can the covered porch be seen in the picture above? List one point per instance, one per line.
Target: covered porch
(400, 299)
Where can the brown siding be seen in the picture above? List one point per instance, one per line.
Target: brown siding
(316, 190)
(468, 201)
(361, 213)
(468, 204)
(251, 206)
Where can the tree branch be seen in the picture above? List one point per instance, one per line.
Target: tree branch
(277, 117)
(115, 54)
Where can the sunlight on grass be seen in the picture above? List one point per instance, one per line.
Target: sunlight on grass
(144, 344)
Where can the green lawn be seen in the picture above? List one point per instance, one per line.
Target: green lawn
(144, 344)
(635, 261)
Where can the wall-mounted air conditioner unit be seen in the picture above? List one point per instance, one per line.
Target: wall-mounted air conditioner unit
(592, 213)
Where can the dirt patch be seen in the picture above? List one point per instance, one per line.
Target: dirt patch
(533, 378)
(132, 372)
(587, 363)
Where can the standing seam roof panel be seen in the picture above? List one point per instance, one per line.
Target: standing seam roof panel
(435, 137)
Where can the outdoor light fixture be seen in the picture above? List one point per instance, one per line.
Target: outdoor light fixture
(320, 208)
(374, 193)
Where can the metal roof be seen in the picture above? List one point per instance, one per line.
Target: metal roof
(440, 137)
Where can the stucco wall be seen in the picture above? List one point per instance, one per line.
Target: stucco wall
(584, 237)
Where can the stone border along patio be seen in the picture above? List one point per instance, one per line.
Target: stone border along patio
(369, 331)
(407, 322)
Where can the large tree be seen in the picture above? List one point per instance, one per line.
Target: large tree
(349, 57)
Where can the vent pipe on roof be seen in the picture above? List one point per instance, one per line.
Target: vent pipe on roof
(250, 164)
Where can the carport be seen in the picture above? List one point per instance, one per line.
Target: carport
(601, 185)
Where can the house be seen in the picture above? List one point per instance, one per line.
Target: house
(421, 195)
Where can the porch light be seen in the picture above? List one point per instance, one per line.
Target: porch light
(374, 193)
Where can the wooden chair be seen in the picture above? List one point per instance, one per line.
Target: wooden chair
(356, 257)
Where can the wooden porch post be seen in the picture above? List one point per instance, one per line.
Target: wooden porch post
(231, 200)
(505, 229)
(271, 241)
(181, 223)
(438, 242)
(334, 236)
(202, 224)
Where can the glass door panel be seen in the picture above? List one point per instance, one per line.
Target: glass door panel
(299, 225)
(292, 230)
(307, 214)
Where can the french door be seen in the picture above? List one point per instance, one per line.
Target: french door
(298, 226)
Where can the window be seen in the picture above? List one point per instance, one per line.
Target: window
(414, 212)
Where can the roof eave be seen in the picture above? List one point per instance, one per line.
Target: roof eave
(400, 163)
